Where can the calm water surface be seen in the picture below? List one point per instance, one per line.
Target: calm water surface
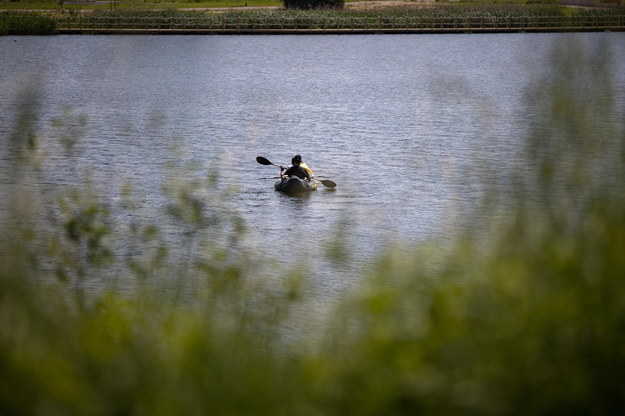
(411, 127)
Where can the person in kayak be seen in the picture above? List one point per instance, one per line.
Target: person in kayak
(298, 168)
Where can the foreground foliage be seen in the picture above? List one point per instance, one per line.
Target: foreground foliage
(525, 315)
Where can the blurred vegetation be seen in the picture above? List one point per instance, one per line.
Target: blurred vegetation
(525, 315)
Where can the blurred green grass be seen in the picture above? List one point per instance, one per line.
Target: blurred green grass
(522, 316)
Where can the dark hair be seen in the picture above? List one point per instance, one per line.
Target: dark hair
(296, 159)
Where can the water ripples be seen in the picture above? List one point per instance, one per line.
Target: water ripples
(412, 128)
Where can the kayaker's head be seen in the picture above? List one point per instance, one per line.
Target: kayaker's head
(297, 159)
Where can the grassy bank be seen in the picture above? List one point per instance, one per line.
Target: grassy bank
(522, 316)
(445, 19)
(489, 16)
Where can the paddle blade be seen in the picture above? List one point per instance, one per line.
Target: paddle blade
(328, 183)
(263, 161)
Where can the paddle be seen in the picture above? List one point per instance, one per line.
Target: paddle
(264, 161)
(325, 182)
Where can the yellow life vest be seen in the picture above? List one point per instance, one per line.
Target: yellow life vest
(303, 164)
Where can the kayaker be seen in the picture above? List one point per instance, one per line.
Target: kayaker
(298, 168)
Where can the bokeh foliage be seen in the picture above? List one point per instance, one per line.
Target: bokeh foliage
(524, 315)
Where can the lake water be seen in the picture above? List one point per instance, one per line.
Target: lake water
(410, 127)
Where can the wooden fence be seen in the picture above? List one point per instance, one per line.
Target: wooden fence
(238, 25)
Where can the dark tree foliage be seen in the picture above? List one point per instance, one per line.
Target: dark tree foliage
(314, 4)
(20, 23)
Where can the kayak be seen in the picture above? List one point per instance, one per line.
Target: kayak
(295, 186)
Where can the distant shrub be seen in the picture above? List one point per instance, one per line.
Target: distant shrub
(17, 23)
(4, 27)
(314, 4)
(552, 2)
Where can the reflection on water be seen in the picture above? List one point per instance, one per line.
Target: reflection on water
(411, 128)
